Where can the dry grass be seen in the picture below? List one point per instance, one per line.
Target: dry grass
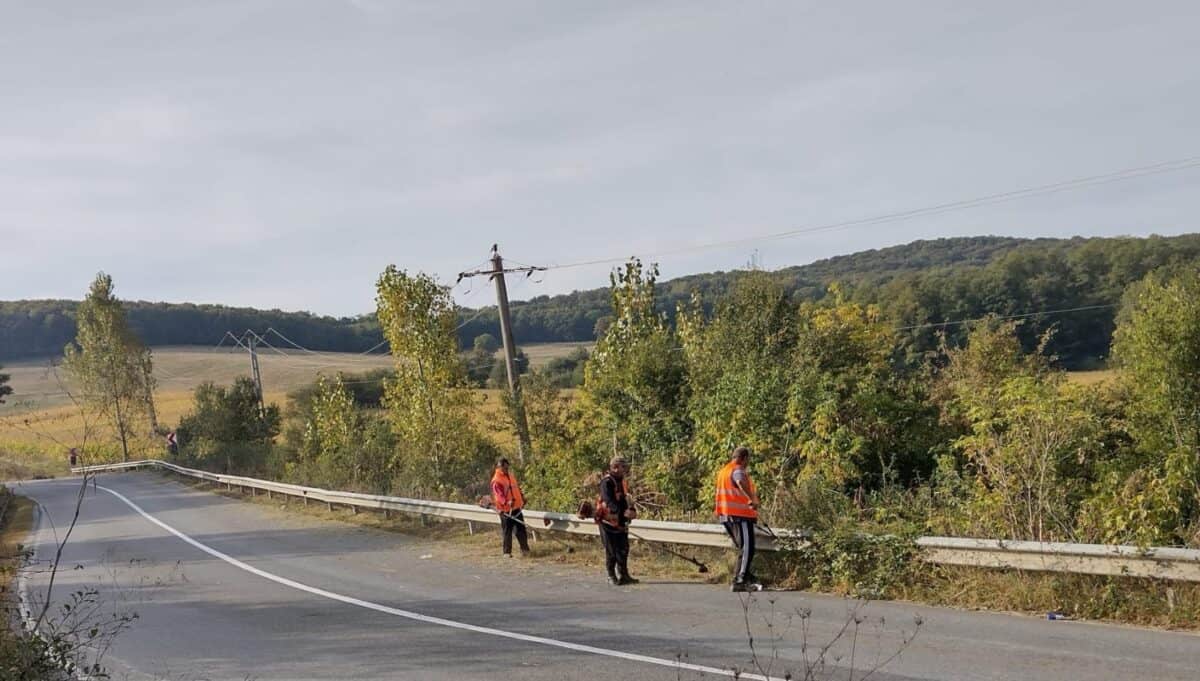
(1091, 377)
(1127, 600)
(180, 369)
(490, 415)
(541, 353)
(15, 524)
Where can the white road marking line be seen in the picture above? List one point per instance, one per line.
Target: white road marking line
(407, 614)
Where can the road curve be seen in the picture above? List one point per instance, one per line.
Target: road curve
(229, 590)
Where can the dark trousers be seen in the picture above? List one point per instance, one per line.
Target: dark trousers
(616, 550)
(741, 530)
(509, 523)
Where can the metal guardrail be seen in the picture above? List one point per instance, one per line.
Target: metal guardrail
(695, 534)
(1091, 559)
(1097, 559)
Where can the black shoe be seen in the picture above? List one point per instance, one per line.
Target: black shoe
(627, 580)
(613, 581)
(745, 586)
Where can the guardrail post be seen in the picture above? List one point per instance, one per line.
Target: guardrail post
(329, 505)
(470, 527)
(354, 509)
(269, 495)
(305, 498)
(387, 514)
(424, 520)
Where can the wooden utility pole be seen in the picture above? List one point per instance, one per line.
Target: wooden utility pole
(510, 355)
(496, 273)
(258, 389)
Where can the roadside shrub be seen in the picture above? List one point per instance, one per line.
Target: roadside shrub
(844, 559)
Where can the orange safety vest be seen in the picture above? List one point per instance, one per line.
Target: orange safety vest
(732, 501)
(515, 501)
(602, 510)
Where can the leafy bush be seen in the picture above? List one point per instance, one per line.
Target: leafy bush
(225, 429)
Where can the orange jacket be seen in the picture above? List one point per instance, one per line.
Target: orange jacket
(732, 501)
(506, 493)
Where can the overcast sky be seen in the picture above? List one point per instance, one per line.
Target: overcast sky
(282, 153)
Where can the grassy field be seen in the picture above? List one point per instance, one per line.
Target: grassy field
(38, 386)
(38, 424)
(1091, 377)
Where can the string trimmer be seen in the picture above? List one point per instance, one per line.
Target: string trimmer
(586, 512)
(486, 502)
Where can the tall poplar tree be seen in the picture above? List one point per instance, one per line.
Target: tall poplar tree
(428, 401)
(111, 367)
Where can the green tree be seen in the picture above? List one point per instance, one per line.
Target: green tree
(342, 445)
(225, 425)
(857, 420)
(439, 447)
(1030, 451)
(498, 373)
(486, 342)
(1029, 440)
(111, 366)
(479, 365)
(1156, 490)
(740, 371)
(566, 372)
(5, 388)
(564, 451)
(637, 379)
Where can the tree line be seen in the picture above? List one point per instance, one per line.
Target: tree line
(921, 284)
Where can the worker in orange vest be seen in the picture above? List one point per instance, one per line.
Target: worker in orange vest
(508, 502)
(737, 508)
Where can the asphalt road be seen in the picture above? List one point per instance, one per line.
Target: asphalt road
(229, 590)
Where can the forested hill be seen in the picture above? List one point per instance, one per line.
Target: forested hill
(35, 328)
(920, 283)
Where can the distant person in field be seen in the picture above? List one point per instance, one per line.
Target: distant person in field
(508, 502)
(614, 510)
(737, 508)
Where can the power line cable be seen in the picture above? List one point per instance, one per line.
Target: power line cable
(357, 357)
(375, 347)
(986, 200)
(307, 363)
(477, 315)
(1004, 317)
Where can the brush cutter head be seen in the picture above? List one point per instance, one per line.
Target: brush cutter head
(485, 501)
